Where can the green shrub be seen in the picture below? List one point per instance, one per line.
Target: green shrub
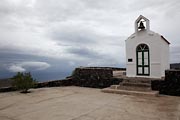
(23, 81)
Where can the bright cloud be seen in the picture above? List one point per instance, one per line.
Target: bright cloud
(16, 68)
(26, 66)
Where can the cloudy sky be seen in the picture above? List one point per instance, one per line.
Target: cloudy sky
(51, 37)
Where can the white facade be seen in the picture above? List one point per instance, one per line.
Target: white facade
(147, 52)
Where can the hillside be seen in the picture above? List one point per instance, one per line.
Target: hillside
(5, 82)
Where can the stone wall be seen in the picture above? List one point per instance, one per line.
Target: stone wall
(175, 66)
(95, 77)
(171, 84)
(55, 83)
(7, 89)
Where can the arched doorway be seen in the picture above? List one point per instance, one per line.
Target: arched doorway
(142, 57)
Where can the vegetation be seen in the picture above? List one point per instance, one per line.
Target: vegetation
(23, 81)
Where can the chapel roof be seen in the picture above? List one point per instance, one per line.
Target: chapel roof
(165, 40)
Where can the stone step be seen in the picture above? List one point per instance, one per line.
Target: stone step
(135, 84)
(137, 80)
(134, 88)
(128, 92)
(114, 86)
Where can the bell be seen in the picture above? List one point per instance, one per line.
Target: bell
(141, 25)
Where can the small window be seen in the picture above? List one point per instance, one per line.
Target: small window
(130, 60)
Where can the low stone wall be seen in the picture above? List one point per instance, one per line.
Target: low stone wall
(95, 77)
(171, 84)
(104, 68)
(55, 83)
(7, 89)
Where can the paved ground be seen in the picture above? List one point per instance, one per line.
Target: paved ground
(77, 103)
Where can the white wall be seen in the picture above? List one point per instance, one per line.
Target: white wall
(164, 58)
(158, 50)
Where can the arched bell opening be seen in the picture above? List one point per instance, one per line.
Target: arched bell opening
(142, 23)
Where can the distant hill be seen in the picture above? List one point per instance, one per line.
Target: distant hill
(6, 82)
(175, 65)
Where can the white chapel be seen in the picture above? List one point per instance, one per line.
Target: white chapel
(147, 52)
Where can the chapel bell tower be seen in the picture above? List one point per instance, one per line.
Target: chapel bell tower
(142, 23)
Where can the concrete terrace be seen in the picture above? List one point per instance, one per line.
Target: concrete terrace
(78, 103)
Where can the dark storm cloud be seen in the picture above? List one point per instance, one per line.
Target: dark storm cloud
(71, 33)
(85, 52)
(74, 35)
